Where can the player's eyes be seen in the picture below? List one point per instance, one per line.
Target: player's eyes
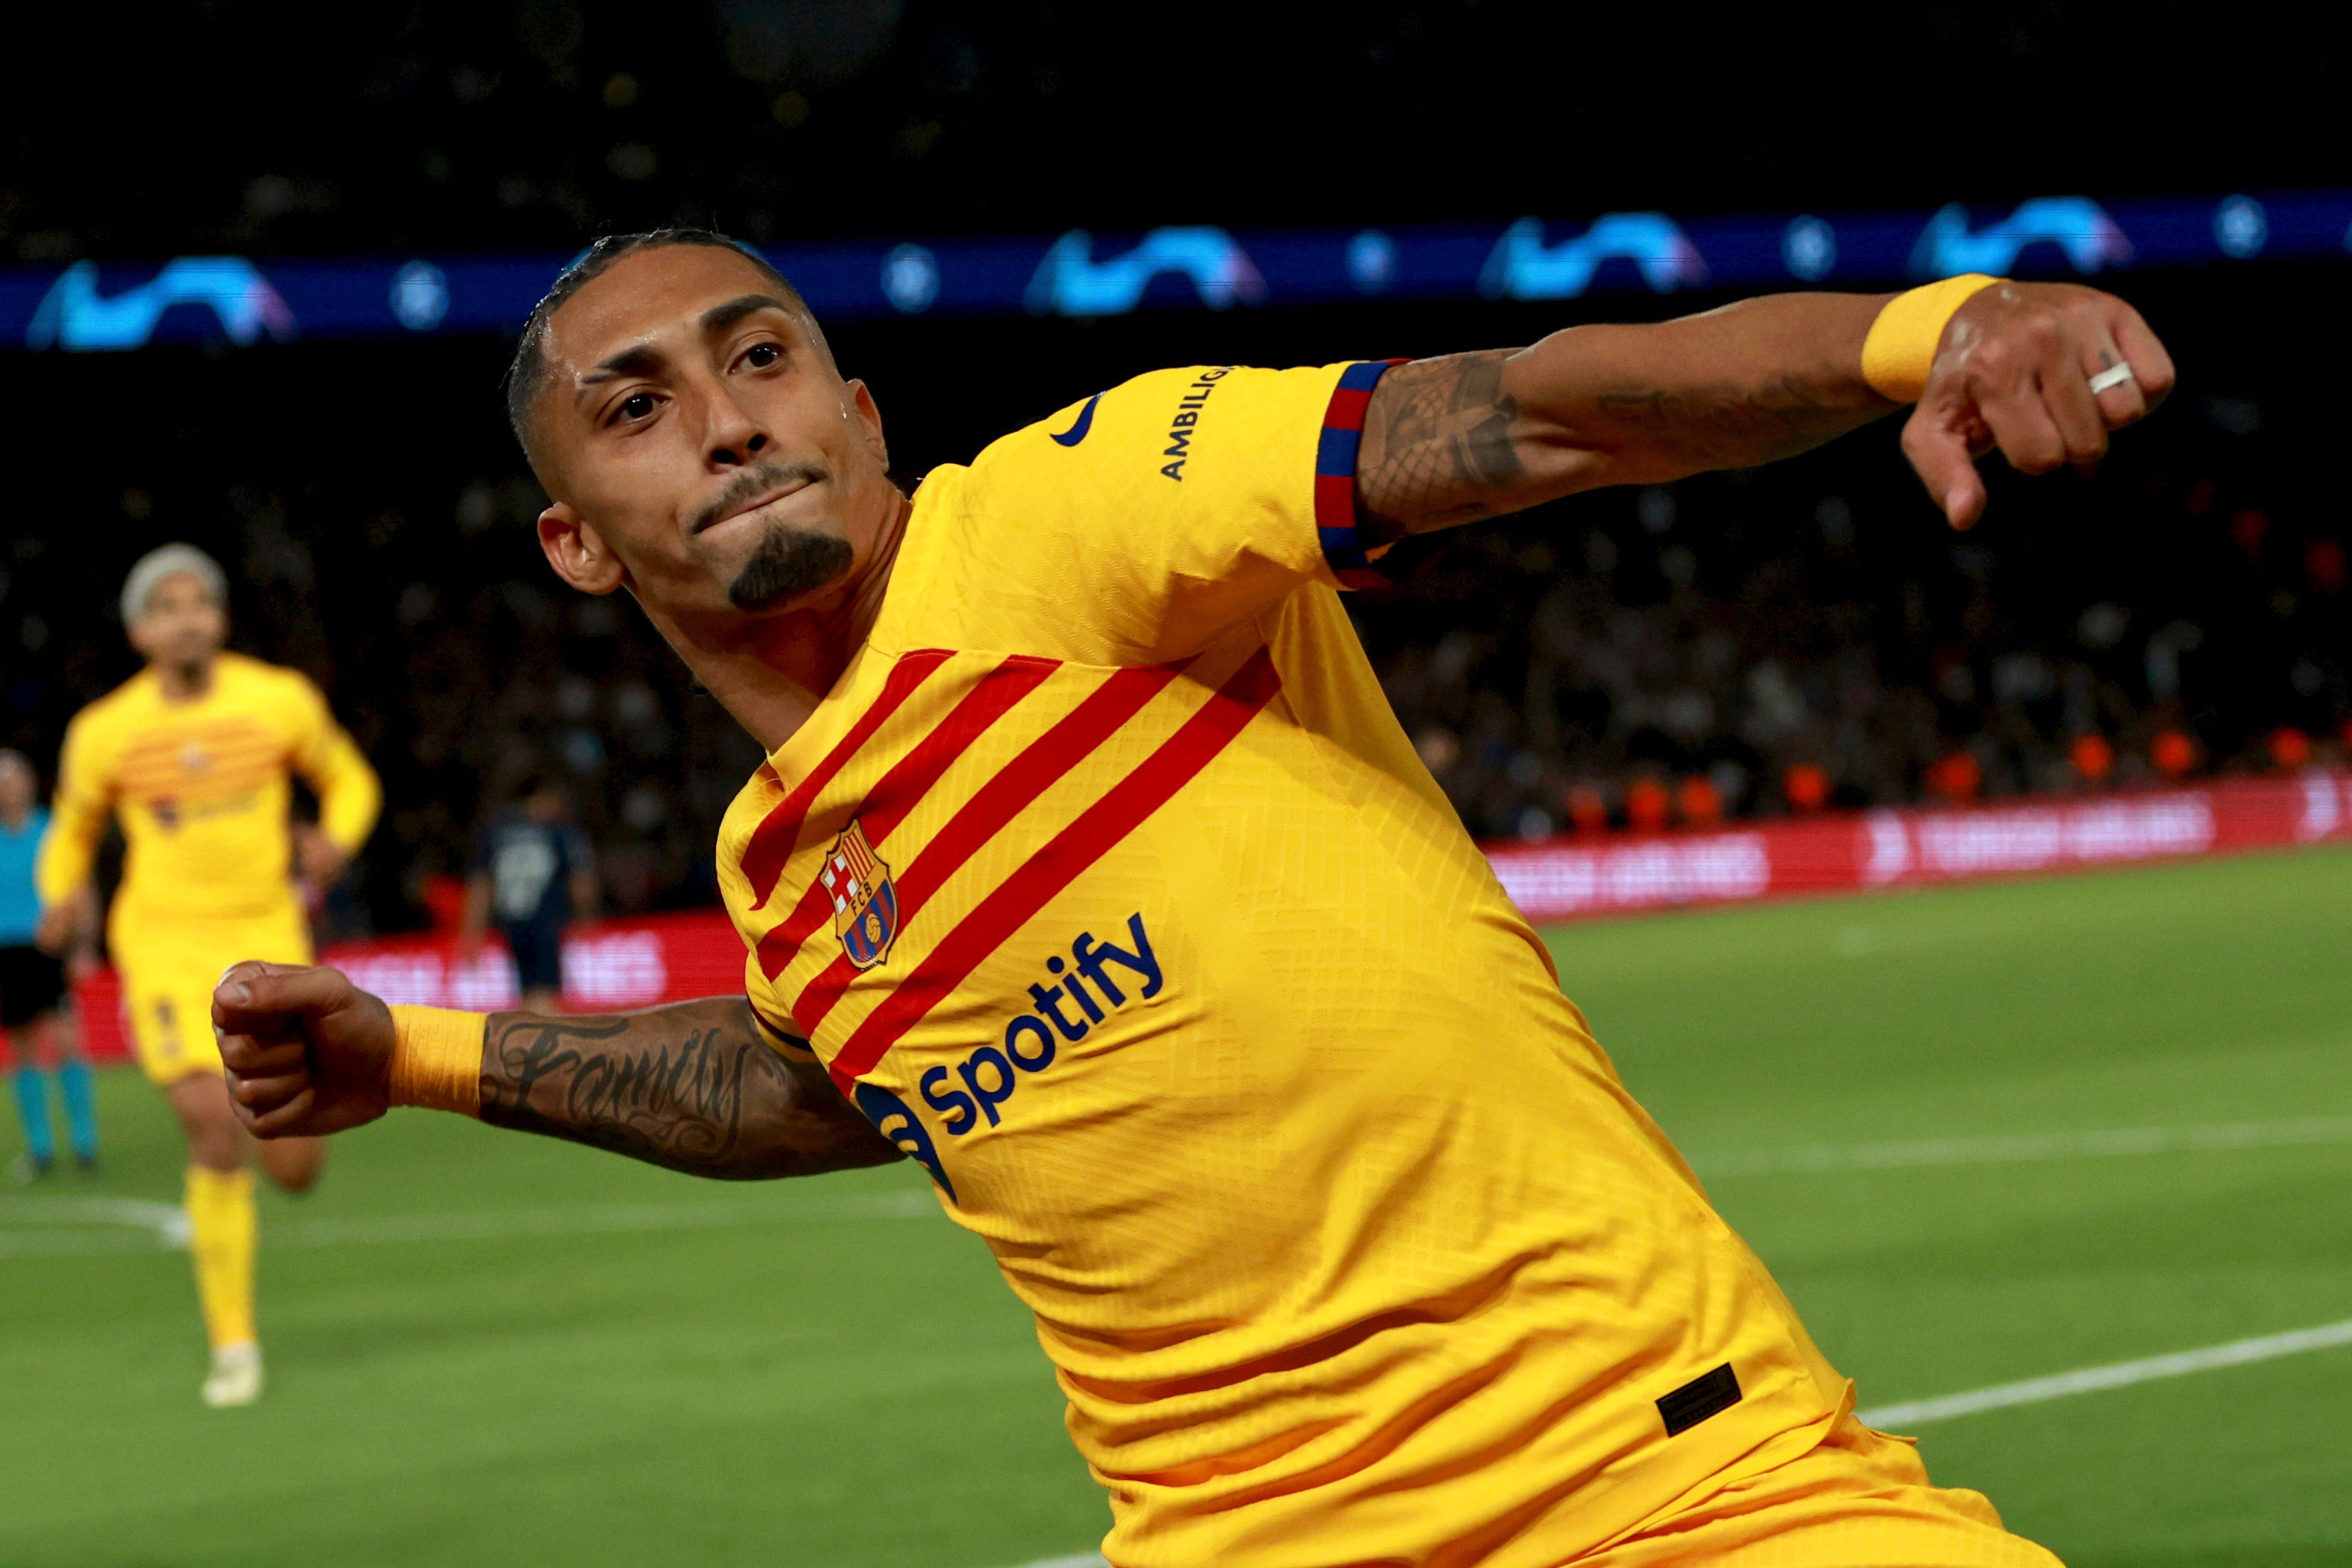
(636, 405)
(759, 356)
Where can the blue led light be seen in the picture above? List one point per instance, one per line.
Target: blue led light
(2241, 227)
(910, 278)
(420, 295)
(1808, 248)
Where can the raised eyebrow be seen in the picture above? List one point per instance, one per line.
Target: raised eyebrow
(719, 317)
(643, 360)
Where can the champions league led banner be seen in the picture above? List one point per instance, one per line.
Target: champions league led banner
(93, 305)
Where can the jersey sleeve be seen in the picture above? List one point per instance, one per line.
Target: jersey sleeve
(77, 820)
(1140, 524)
(325, 755)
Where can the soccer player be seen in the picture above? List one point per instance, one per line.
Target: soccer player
(533, 875)
(36, 1008)
(193, 757)
(1089, 869)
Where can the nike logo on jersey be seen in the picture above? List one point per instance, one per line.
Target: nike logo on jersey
(1080, 426)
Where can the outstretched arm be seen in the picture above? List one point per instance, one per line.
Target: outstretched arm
(1465, 437)
(694, 1086)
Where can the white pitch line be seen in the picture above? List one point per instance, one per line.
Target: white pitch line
(2022, 1147)
(151, 1226)
(2120, 1374)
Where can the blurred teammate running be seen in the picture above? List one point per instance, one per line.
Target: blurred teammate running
(193, 756)
(36, 1005)
(1090, 869)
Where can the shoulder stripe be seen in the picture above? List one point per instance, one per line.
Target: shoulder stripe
(771, 844)
(901, 789)
(1072, 739)
(1335, 474)
(1065, 857)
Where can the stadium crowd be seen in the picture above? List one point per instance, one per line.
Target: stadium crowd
(1784, 640)
(1795, 640)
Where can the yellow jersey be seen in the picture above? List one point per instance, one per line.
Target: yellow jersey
(202, 789)
(1106, 884)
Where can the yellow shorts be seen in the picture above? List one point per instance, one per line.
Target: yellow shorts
(169, 973)
(1859, 1498)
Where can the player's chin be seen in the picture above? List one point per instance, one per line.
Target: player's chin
(788, 563)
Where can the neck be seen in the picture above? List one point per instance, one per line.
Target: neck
(15, 818)
(184, 682)
(770, 676)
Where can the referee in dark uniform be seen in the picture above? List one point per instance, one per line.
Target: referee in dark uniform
(533, 875)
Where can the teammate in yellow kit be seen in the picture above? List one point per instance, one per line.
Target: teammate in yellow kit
(193, 757)
(1089, 869)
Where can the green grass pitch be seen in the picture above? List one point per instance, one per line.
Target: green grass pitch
(486, 1348)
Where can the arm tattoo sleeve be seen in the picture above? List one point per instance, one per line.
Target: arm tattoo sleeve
(695, 1087)
(1465, 436)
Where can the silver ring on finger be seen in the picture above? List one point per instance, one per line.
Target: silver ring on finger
(2113, 376)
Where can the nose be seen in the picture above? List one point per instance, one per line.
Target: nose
(736, 438)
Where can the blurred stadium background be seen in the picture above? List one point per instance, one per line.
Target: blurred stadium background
(1699, 694)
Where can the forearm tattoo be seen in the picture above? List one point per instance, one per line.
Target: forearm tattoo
(695, 1087)
(1728, 425)
(1438, 447)
(1447, 441)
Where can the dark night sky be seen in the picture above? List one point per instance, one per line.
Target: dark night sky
(370, 126)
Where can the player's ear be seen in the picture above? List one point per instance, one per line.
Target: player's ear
(859, 405)
(577, 552)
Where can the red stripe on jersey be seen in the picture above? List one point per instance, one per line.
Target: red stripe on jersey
(997, 802)
(772, 842)
(1099, 828)
(901, 789)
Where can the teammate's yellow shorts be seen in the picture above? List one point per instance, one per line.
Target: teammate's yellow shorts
(169, 971)
(1858, 1498)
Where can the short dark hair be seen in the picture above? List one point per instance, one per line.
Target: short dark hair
(528, 370)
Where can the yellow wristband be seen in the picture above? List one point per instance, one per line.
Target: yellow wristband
(437, 1058)
(1903, 340)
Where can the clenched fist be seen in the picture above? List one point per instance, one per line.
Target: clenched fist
(307, 1052)
(2014, 372)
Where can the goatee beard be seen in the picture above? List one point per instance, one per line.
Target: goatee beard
(789, 562)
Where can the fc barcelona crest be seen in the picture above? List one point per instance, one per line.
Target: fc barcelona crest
(865, 904)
